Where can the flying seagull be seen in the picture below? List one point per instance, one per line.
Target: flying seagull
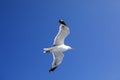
(58, 45)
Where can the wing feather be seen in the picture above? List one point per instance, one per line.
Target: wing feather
(62, 34)
(57, 59)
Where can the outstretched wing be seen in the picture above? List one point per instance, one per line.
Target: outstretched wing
(57, 59)
(62, 34)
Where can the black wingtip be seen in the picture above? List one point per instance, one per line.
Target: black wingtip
(62, 22)
(52, 69)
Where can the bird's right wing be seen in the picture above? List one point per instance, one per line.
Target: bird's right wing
(57, 59)
(62, 34)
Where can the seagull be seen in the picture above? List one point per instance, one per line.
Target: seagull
(58, 45)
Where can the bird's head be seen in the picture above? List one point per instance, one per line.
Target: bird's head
(62, 22)
(70, 48)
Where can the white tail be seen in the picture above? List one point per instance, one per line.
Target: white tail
(47, 50)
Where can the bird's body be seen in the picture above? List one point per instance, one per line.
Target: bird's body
(54, 49)
(58, 46)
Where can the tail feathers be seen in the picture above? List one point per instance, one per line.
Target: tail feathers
(47, 50)
(52, 69)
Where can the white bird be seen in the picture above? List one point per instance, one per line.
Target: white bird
(58, 46)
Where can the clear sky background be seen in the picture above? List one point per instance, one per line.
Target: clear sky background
(27, 26)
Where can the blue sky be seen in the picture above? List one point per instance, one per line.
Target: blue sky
(27, 26)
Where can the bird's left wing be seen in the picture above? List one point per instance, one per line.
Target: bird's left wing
(57, 59)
